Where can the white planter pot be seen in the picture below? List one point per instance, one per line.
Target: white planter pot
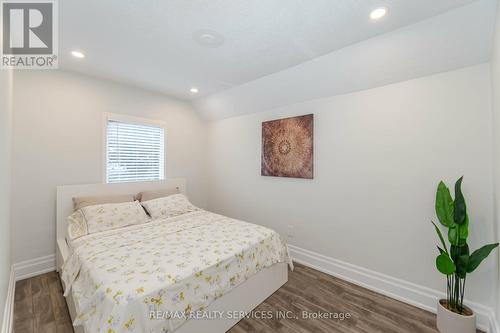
(451, 322)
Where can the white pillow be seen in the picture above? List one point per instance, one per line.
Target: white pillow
(112, 216)
(173, 205)
(77, 226)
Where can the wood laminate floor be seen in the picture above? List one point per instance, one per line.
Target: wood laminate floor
(40, 307)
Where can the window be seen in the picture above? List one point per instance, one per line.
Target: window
(134, 150)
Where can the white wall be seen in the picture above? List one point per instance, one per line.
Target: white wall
(5, 182)
(495, 69)
(58, 140)
(379, 155)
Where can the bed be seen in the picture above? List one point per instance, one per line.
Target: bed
(195, 272)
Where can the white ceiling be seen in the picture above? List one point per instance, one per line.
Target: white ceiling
(150, 43)
(458, 38)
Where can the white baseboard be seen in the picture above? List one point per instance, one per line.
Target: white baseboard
(8, 313)
(20, 271)
(492, 325)
(404, 291)
(33, 267)
(495, 324)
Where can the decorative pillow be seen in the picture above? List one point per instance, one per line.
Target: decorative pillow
(82, 202)
(151, 195)
(112, 216)
(170, 206)
(77, 227)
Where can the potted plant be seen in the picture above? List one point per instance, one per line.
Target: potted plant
(457, 262)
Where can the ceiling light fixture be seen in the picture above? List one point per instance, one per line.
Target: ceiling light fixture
(194, 90)
(378, 13)
(78, 54)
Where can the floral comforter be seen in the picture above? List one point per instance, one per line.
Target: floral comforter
(176, 266)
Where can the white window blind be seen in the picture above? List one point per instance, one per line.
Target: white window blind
(134, 152)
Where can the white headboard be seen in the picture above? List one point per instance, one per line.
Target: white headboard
(65, 195)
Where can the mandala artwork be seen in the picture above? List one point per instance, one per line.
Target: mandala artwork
(287, 147)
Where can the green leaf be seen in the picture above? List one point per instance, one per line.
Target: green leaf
(463, 230)
(441, 251)
(478, 256)
(444, 264)
(453, 235)
(440, 235)
(457, 251)
(444, 205)
(462, 263)
(459, 209)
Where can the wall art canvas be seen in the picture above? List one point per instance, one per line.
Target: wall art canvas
(287, 147)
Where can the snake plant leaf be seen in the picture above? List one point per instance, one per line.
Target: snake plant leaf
(459, 209)
(478, 256)
(444, 205)
(444, 264)
(441, 251)
(441, 238)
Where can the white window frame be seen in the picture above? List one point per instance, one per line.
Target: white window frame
(130, 120)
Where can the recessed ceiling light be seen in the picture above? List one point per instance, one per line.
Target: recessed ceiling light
(78, 54)
(208, 38)
(194, 90)
(378, 13)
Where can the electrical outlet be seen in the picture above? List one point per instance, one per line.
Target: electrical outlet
(290, 231)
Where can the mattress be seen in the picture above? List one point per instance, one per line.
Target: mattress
(155, 276)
